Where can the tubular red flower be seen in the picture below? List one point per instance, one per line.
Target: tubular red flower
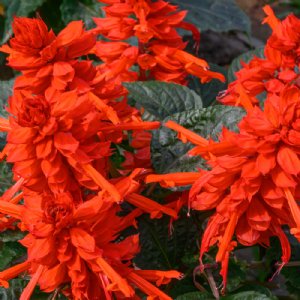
(160, 51)
(63, 237)
(253, 181)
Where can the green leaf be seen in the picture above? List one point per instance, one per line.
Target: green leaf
(215, 15)
(10, 251)
(7, 254)
(250, 295)
(161, 99)
(159, 249)
(51, 14)
(245, 57)
(85, 10)
(292, 277)
(5, 174)
(236, 275)
(185, 285)
(257, 288)
(14, 291)
(17, 8)
(195, 296)
(11, 236)
(6, 90)
(170, 155)
(209, 91)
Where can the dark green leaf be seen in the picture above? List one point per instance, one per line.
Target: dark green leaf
(159, 249)
(250, 295)
(257, 288)
(14, 291)
(5, 91)
(11, 236)
(292, 276)
(195, 296)
(8, 252)
(236, 275)
(5, 173)
(170, 155)
(245, 57)
(216, 15)
(185, 285)
(51, 14)
(161, 99)
(85, 10)
(17, 8)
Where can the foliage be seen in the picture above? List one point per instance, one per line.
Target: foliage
(216, 15)
(80, 10)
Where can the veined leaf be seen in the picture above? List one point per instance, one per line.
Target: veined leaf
(251, 295)
(14, 291)
(72, 10)
(195, 296)
(161, 99)
(6, 90)
(215, 15)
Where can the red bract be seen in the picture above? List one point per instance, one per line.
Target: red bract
(272, 73)
(76, 247)
(160, 52)
(253, 181)
(44, 57)
(59, 141)
(61, 136)
(153, 20)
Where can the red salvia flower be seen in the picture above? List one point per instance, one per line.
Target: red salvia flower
(253, 181)
(77, 247)
(58, 144)
(56, 78)
(153, 20)
(272, 73)
(44, 57)
(160, 52)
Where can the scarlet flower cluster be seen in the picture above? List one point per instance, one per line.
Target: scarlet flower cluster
(253, 181)
(270, 74)
(160, 52)
(64, 115)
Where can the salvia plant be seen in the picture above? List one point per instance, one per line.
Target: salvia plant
(133, 169)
